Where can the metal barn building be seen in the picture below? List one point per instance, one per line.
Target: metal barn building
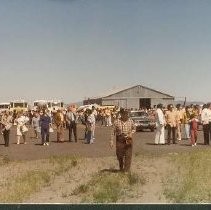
(135, 97)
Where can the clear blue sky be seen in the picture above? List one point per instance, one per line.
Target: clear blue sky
(72, 49)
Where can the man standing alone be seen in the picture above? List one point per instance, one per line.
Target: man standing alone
(123, 129)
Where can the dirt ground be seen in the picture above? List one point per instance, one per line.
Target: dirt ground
(63, 186)
(143, 144)
(153, 164)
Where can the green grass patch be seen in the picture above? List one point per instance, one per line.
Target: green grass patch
(22, 185)
(190, 180)
(4, 160)
(108, 190)
(83, 188)
(107, 187)
(63, 163)
(134, 179)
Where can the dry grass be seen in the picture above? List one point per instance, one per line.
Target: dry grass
(63, 163)
(22, 185)
(107, 187)
(190, 180)
(4, 160)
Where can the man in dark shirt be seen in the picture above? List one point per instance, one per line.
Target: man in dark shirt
(45, 123)
(71, 119)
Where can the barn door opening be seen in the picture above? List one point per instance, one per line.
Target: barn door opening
(145, 103)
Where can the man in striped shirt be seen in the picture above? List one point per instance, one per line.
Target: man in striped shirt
(123, 129)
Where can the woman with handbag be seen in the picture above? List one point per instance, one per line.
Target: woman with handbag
(6, 122)
(21, 121)
(123, 129)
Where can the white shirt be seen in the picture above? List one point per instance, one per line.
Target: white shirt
(206, 116)
(91, 119)
(71, 117)
(22, 120)
(94, 113)
(159, 117)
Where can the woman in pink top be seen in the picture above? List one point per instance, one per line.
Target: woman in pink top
(193, 129)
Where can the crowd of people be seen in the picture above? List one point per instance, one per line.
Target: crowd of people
(174, 119)
(43, 122)
(171, 120)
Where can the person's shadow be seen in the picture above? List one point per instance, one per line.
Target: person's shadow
(111, 170)
(38, 144)
(155, 144)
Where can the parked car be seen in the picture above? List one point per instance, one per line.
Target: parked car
(142, 120)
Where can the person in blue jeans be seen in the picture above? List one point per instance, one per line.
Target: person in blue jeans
(45, 124)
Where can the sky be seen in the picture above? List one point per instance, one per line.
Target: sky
(75, 49)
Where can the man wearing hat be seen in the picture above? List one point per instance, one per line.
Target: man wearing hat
(122, 129)
(160, 125)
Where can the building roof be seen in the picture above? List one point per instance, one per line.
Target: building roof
(122, 90)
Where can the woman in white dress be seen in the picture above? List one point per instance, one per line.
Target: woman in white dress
(21, 121)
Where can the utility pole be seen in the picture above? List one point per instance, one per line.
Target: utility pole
(185, 101)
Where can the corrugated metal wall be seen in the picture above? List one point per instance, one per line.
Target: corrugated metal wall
(137, 92)
(120, 102)
(130, 98)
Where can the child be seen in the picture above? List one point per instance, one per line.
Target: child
(193, 129)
